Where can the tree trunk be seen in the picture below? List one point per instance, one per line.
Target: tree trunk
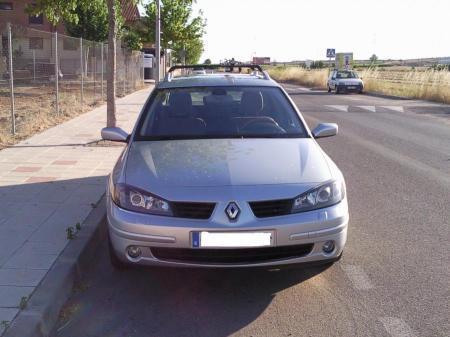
(111, 66)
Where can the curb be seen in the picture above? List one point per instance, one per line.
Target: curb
(44, 305)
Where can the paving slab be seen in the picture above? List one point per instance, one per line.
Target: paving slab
(6, 316)
(49, 182)
(21, 276)
(11, 296)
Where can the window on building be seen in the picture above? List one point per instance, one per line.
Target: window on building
(6, 6)
(36, 19)
(70, 43)
(36, 43)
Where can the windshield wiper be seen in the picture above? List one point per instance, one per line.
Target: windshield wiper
(235, 136)
(185, 137)
(169, 137)
(282, 135)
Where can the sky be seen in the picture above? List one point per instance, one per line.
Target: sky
(287, 30)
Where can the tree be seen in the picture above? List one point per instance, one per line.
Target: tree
(317, 65)
(192, 52)
(111, 120)
(373, 58)
(131, 39)
(181, 30)
(207, 61)
(57, 11)
(92, 23)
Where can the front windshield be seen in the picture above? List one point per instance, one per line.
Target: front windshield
(346, 74)
(220, 112)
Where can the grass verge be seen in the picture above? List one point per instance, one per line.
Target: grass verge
(431, 85)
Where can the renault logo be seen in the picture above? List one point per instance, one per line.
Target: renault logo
(232, 211)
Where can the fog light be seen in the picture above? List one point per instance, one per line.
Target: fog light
(134, 252)
(328, 247)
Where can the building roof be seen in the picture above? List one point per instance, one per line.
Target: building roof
(130, 10)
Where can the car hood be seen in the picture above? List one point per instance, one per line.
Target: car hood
(155, 165)
(350, 81)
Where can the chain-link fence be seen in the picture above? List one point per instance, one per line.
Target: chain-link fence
(48, 77)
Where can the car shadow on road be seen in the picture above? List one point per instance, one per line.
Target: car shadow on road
(172, 302)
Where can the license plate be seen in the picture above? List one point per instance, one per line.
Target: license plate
(232, 239)
(351, 87)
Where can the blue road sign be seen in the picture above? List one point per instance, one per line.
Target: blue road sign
(331, 52)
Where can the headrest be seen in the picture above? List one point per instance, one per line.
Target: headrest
(251, 103)
(219, 91)
(218, 96)
(180, 104)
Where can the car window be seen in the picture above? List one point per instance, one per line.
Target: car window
(346, 74)
(219, 112)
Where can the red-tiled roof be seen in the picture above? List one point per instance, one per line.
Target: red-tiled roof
(130, 10)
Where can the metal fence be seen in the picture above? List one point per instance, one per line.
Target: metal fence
(45, 76)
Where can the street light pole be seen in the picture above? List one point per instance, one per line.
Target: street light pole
(158, 41)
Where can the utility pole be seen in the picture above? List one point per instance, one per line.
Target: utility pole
(158, 41)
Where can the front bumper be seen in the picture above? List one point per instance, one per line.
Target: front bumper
(146, 231)
(350, 87)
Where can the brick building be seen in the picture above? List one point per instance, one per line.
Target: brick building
(15, 13)
(33, 35)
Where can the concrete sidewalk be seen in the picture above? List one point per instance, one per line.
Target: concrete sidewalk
(49, 183)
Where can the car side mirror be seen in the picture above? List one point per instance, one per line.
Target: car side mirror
(323, 130)
(333, 78)
(115, 135)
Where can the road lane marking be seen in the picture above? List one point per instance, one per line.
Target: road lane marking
(357, 276)
(394, 108)
(367, 107)
(396, 327)
(339, 107)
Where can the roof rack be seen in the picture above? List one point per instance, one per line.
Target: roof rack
(229, 67)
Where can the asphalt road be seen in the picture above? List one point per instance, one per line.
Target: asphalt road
(394, 278)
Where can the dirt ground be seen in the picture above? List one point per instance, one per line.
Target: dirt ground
(35, 106)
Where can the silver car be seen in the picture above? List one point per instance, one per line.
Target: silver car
(345, 81)
(221, 170)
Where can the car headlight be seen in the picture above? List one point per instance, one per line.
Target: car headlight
(135, 199)
(325, 195)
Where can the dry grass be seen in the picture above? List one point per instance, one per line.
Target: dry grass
(429, 85)
(35, 108)
(309, 78)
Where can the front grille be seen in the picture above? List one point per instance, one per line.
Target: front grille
(265, 209)
(192, 210)
(231, 255)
